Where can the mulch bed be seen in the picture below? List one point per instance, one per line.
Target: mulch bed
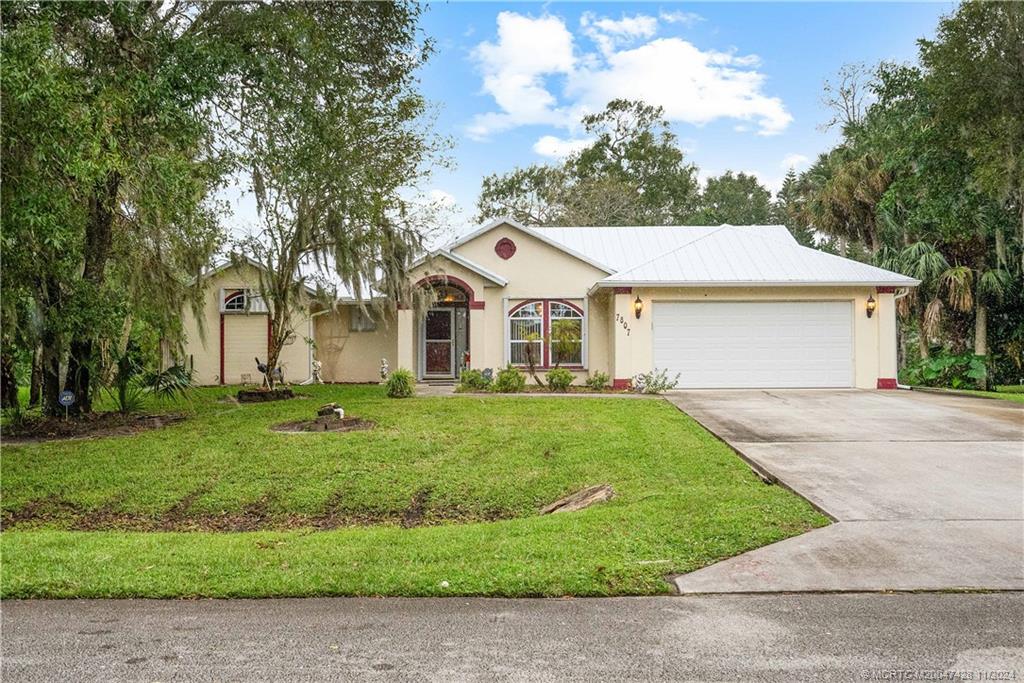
(85, 426)
(264, 395)
(326, 424)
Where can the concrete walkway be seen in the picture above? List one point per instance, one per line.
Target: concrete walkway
(927, 489)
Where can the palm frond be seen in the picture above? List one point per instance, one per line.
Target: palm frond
(958, 282)
(932, 318)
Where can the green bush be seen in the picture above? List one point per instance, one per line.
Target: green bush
(654, 382)
(509, 380)
(400, 384)
(598, 381)
(946, 370)
(474, 380)
(559, 379)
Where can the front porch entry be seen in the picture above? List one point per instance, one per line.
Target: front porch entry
(444, 334)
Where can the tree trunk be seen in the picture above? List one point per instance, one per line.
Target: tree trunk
(99, 233)
(50, 362)
(36, 378)
(8, 383)
(273, 352)
(922, 339)
(981, 338)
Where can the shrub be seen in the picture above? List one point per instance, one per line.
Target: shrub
(598, 381)
(654, 382)
(509, 380)
(400, 384)
(474, 380)
(946, 370)
(559, 379)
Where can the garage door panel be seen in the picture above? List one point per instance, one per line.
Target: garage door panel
(755, 344)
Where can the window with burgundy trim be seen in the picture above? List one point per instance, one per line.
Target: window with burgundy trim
(566, 325)
(526, 329)
(533, 323)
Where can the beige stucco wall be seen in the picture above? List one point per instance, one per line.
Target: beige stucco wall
(245, 336)
(874, 339)
(536, 271)
(349, 356)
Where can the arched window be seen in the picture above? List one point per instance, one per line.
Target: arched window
(551, 331)
(526, 334)
(235, 301)
(566, 334)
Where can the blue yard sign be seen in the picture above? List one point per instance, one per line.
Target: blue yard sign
(66, 398)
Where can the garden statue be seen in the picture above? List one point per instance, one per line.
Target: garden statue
(384, 370)
(317, 366)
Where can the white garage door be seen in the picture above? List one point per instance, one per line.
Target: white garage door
(755, 344)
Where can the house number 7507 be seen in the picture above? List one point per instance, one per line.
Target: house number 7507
(622, 321)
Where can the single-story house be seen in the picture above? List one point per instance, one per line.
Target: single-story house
(724, 306)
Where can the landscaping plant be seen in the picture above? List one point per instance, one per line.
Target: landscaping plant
(946, 370)
(654, 382)
(509, 380)
(401, 384)
(559, 379)
(474, 380)
(598, 381)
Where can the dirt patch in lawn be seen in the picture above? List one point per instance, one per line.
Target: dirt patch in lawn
(259, 515)
(326, 424)
(93, 425)
(264, 395)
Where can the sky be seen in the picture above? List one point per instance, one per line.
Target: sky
(741, 83)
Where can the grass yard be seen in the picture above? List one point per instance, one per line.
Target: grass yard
(1006, 392)
(442, 498)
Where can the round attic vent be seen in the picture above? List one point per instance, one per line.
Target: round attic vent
(505, 248)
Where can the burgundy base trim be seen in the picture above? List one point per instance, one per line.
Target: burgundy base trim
(621, 383)
(623, 290)
(476, 305)
(886, 382)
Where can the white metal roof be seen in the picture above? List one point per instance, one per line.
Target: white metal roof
(751, 255)
(711, 255)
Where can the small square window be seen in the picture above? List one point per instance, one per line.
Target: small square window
(360, 320)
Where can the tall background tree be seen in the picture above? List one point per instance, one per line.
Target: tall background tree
(332, 141)
(121, 122)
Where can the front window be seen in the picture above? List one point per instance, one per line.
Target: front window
(526, 332)
(550, 331)
(566, 334)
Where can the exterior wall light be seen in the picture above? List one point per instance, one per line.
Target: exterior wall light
(638, 307)
(871, 305)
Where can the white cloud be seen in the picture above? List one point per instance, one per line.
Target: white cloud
(680, 17)
(794, 161)
(608, 34)
(441, 198)
(514, 69)
(556, 148)
(694, 86)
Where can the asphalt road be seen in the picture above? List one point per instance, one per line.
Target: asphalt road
(722, 637)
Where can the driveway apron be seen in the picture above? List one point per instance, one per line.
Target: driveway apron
(927, 490)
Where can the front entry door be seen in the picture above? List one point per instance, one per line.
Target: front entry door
(439, 343)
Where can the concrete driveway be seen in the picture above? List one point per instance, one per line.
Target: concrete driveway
(927, 489)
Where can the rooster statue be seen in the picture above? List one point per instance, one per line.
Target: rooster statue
(278, 373)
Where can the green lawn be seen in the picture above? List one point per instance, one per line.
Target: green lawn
(1008, 392)
(442, 498)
